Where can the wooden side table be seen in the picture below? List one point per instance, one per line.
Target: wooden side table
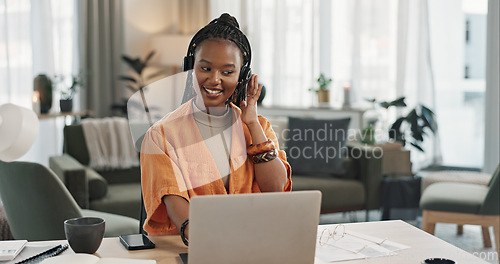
(396, 160)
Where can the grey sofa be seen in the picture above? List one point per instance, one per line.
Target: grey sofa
(113, 191)
(348, 182)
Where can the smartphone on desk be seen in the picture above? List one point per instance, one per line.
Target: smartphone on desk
(136, 242)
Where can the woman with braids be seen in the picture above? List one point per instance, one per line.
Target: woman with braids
(214, 143)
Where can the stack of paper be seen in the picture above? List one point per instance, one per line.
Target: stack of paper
(353, 245)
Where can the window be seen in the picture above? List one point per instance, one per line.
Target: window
(36, 37)
(458, 47)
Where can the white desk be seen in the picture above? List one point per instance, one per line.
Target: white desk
(423, 246)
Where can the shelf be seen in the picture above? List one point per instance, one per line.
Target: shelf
(65, 114)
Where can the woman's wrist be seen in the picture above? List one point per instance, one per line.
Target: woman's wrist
(254, 127)
(253, 122)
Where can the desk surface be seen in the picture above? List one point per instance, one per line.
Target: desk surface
(423, 245)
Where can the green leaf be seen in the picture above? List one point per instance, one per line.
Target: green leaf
(400, 102)
(146, 60)
(132, 88)
(395, 131)
(424, 108)
(397, 124)
(128, 78)
(128, 60)
(135, 64)
(384, 104)
(417, 146)
(428, 118)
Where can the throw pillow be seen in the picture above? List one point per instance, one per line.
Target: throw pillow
(317, 146)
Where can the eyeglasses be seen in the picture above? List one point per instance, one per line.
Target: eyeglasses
(338, 233)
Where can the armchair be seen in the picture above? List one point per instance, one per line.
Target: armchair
(37, 203)
(464, 204)
(115, 191)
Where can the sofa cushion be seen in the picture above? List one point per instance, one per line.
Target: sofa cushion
(122, 199)
(131, 175)
(337, 194)
(98, 186)
(453, 197)
(116, 225)
(75, 144)
(317, 146)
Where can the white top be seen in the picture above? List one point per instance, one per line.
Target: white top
(216, 131)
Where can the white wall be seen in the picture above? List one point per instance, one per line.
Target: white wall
(144, 19)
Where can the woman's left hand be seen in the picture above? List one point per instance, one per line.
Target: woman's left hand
(249, 107)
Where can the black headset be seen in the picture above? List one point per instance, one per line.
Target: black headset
(245, 71)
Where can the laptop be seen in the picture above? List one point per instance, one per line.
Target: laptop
(253, 228)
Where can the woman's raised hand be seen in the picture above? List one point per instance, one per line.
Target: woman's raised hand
(249, 107)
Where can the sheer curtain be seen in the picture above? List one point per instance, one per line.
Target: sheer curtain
(35, 38)
(15, 53)
(382, 48)
(364, 45)
(415, 75)
(379, 47)
(283, 37)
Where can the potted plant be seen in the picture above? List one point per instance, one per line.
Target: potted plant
(138, 80)
(323, 89)
(411, 128)
(67, 92)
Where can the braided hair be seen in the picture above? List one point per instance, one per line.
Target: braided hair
(225, 27)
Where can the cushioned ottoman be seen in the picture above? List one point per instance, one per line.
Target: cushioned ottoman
(456, 176)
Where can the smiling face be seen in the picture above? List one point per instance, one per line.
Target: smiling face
(217, 68)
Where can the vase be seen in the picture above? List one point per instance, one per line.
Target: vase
(376, 118)
(323, 97)
(66, 105)
(43, 85)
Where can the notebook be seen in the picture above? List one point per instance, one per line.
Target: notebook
(33, 254)
(254, 228)
(9, 249)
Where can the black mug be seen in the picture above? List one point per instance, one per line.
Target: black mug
(84, 234)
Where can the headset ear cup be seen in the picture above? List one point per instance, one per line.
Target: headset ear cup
(245, 75)
(240, 93)
(188, 63)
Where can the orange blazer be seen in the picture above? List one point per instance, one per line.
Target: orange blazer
(176, 161)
